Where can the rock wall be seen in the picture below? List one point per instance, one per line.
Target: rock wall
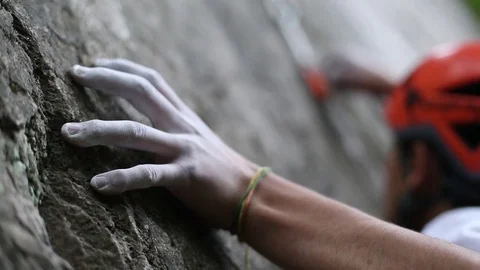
(45, 199)
(228, 62)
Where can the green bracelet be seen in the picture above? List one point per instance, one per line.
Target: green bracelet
(259, 176)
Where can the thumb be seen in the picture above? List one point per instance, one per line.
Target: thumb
(138, 177)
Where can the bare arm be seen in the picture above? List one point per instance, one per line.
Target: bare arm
(344, 74)
(299, 229)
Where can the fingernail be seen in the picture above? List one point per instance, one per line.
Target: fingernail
(73, 129)
(79, 70)
(98, 182)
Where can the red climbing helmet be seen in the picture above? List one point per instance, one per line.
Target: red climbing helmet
(440, 103)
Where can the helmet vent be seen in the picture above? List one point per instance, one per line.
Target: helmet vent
(471, 89)
(469, 133)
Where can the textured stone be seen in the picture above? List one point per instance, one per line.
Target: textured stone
(139, 230)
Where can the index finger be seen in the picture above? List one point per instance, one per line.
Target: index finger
(149, 74)
(137, 90)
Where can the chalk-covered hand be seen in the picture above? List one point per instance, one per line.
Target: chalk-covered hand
(202, 171)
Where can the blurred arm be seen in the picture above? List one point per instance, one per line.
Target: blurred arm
(343, 73)
(376, 85)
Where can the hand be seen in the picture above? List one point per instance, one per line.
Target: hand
(203, 172)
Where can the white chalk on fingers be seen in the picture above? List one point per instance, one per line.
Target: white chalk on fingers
(98, 182)
(138, 177)
(70, 129)
(126, 134)
(149, 74)
(79, 71)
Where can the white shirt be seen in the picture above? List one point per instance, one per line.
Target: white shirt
(460, 226)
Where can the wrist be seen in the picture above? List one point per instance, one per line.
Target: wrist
(242, 207)
(245, 172)
(262, 211)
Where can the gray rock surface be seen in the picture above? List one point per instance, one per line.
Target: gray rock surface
(228, 62)
(140, 230)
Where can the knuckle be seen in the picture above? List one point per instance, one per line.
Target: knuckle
(151, 74)
(99, 73)
(118, 180)
(188, 171)
(122, 183)
(150, 174)
(95, 127)
(141, 85)
(190, 144)
(137, 131)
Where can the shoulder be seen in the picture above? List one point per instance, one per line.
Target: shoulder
(460, 226)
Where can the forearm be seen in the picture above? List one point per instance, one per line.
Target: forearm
(376, 85)
(373, 83)
(298, 228)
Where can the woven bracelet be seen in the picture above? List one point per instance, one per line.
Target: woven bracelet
(244, 201)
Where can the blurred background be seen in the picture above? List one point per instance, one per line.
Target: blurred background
(340, 149)
(391, 37)
(278, 123)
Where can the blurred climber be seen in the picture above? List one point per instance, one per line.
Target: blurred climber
(342, 73)
(435, 115)
(293, 226)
